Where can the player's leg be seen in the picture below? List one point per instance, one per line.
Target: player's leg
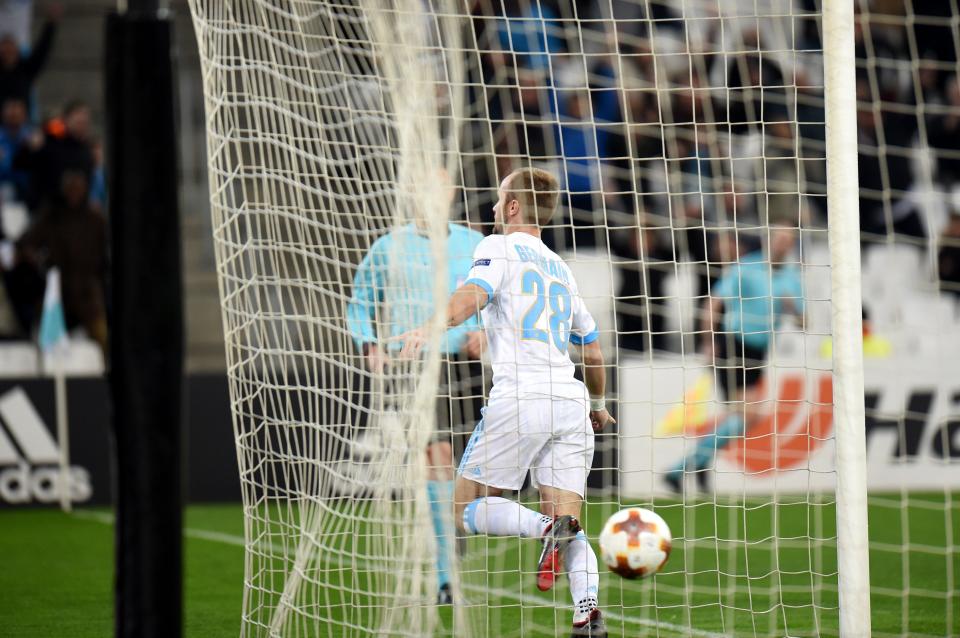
(440, 462)
(480, 509)
(565, 547)
(561, 538)
(561, 474)
(745, 408)
(440, 482)
(496, 459)
(726, 373)
(739, 370)
(440, 495)
(467, 390)
(556, 502)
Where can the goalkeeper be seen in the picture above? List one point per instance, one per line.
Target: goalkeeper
(396, 277)
(749, 301)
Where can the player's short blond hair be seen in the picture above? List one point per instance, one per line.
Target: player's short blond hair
(537, 190)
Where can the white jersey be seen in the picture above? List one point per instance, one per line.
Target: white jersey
(533, 312)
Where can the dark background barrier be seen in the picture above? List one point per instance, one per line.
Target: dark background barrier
(211, 459)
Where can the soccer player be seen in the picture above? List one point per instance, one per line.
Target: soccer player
(539, 417)
(749, 301)
(403, 294)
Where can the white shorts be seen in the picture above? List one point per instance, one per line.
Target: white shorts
(549, 437)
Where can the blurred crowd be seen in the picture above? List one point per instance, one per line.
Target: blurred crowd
(669, 130)
(52, 192)
(672, 130)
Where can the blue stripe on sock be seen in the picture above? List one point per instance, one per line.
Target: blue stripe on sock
(470, 516)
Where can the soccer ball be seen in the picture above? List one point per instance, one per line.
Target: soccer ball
(635, 543)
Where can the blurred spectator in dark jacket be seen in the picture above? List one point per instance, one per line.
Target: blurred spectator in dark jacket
(933, 28)
(530, 31)
(529, 130)
(878, 54)
(883, 165)
(18, 72)
(73, 237)
(756, 92)
(948, 256)
(588, 132)
(15, 133)
(65, 146)
(640, 299)
(944, 136)
(811, 115)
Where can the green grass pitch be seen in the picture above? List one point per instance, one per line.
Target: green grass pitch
(57, 571)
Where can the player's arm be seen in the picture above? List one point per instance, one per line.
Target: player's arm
(483, 281)
(465, 302)
(474, 341)
(365, 295)
(791, 297)
(586, 335)
(595, 377)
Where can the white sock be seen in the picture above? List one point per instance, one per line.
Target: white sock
(581, 565)
(498, 516)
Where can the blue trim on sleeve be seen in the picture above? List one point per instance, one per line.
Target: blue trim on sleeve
(480, 282)
(582, 341)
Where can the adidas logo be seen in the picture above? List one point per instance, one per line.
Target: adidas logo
(30, 470)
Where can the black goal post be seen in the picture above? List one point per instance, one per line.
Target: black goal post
(146, 319)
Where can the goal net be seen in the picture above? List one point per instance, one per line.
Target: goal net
(344, 138)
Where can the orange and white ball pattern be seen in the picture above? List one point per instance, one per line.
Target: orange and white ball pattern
(635, 543)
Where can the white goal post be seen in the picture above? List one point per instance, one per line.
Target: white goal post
(785, 403)
(853, 554)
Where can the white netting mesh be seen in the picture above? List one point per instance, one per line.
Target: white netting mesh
(309, 106)
(689, 139)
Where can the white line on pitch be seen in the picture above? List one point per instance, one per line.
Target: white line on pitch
(661, 624)
(238, 541)
(190, 532)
